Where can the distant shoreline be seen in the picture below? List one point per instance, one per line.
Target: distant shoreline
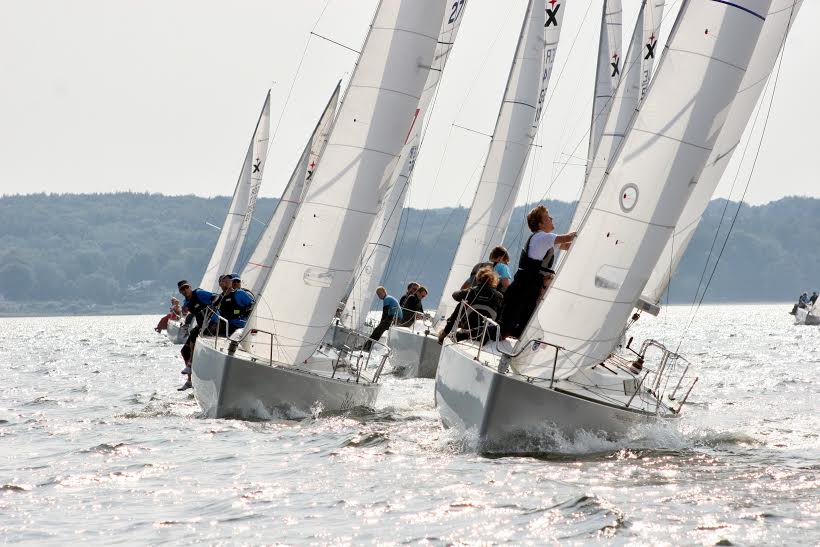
(159, 311)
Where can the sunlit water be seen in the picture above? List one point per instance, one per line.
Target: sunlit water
(96, 445)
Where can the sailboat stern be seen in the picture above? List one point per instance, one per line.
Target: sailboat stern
(415, 352)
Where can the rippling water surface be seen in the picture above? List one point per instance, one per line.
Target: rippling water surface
(96, 445)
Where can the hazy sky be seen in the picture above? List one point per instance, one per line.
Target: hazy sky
(162, 96)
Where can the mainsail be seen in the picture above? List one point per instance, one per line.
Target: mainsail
(607, 74)
(232, 236)
(621, 103)
(373, 261)
(515, 129)
(638, 204)
(772, 38)
(261, 261)
(315, 267)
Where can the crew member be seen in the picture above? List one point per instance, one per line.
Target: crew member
(534, 271)
(174, 312)
(485, 301)
(411, 307)
(235, 306)
(199, 302)
(391, 311)
(499, 260)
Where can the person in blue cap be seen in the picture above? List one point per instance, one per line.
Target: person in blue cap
(236, 304)
(198, 302)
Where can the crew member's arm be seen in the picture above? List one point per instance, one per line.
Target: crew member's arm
(565, 240)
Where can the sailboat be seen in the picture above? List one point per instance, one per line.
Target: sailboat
(807, 316)
(240, 213)
(268, 366)
(416, 350)
(373, 261)
(565, 372)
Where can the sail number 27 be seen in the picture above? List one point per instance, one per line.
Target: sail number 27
(458, 8)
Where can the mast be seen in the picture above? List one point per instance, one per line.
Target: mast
(264, 255)
(372, 263)
(238, 220)
(515, 130)
(772, 40)
(641, 198)
(316, 263)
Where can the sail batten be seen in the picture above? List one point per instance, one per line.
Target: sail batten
(315, 266)
(240, 212)
(515, 129)
(642, 196)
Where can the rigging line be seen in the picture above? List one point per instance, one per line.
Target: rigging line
(751, 175)
(296, 76)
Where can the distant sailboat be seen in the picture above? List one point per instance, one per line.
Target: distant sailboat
(240, 213)
(269, 366)
(417, 351)
(565, 372)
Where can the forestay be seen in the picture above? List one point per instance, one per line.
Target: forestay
(372, 263)
(772, 38)
(641, 199)
(633, 79)
(515, 129)
(315, 266)
(232, 236)
(270, 242)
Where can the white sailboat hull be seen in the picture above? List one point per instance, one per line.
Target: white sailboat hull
(177, 331)
(415, 354)
(803, 317)
(240, 386)
(473, 397)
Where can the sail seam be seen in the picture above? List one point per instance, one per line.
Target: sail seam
(557, 288)
(664, 226)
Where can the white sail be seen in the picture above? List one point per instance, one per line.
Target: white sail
(515, 129)
(635, 75)
(642, 197)
(608, 72)
(315, 266)
(772, 37)
(372, 263)
(232, 236)
(260, 264)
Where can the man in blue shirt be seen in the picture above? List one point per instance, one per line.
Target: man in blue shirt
(236, 305)
(391, 311)
(198, 301)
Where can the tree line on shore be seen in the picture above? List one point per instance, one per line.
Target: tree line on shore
(124, 252)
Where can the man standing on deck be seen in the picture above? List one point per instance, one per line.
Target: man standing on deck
(236, 304)
(391, 311)
(198, 301)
